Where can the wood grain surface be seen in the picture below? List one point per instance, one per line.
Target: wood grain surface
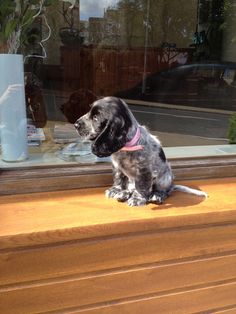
(75, 251)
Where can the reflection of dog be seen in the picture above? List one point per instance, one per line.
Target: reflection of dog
(141, 172)
(78, 104)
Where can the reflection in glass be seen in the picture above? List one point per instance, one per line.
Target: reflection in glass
(172, 61)
(13, 137)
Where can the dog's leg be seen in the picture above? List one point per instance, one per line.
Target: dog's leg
(119, 189)
(143, 188)
(162, 187)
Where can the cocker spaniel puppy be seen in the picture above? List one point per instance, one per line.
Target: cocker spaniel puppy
(140, 169)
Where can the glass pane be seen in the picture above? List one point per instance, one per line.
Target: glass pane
(172, 61)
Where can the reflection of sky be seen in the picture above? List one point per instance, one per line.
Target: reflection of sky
(94, 8)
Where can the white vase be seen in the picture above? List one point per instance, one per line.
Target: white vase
(13, 121)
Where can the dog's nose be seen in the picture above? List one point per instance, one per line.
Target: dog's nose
(77, 124)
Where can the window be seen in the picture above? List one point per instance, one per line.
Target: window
(173, 62)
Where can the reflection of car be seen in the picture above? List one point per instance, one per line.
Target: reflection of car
(208, 85)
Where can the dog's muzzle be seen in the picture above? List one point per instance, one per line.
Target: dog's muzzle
(84, 130)
(78, 125)
(81, 128)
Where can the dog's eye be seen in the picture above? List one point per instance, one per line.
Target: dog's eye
(95, 118)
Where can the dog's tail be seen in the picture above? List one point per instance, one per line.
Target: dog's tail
(186, 189)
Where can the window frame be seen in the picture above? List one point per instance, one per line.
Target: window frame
(56, 178)
(17, 180)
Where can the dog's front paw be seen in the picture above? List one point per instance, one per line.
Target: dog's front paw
(112, 192)
(122, 196)
(137, 201)
(118, 194)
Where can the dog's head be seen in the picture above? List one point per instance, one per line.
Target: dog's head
(78, 104)
(106, 125)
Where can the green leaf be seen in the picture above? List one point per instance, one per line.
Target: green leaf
(28, 17)
(19, 15)
(231, 133)
(47, 3)
(10, 27)
(7, 8)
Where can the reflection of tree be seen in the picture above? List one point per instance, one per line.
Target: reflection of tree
(169, 21)
(208, 35)
(228, 25)
(178, 21)
(132, 19)
(167, 56)
(214, 19)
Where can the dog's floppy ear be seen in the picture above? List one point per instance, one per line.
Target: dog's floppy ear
(112, 138)
(114, 134)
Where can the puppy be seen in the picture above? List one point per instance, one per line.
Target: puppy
(140, 169)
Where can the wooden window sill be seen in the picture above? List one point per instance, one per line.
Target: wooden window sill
(98, 256)
(53, 178)
(88, 213)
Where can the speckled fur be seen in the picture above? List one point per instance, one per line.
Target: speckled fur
(140, 176)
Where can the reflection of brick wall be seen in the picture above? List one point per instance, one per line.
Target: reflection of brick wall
(108, 70)
(3, 47)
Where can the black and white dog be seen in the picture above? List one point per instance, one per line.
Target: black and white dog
(141, 172)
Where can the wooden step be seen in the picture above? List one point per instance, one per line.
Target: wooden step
(77, 252)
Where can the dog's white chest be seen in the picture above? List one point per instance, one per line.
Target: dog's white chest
(126, 166)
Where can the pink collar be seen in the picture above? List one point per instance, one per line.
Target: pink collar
(131, 145)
